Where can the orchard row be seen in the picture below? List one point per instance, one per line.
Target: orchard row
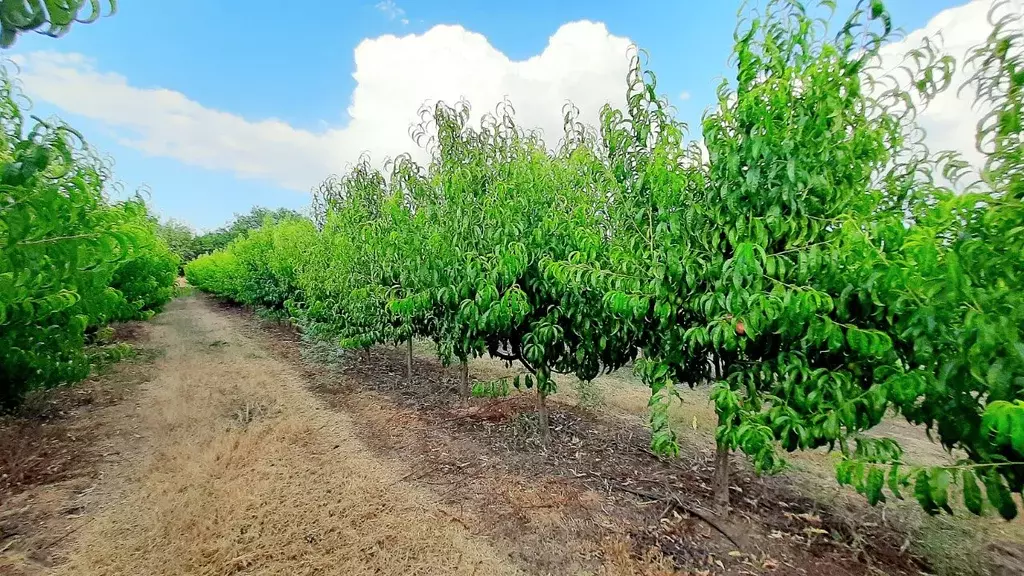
(813, 263)
(71, 259)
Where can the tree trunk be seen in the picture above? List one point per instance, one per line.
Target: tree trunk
(408, 361)
(464, 379)
(721, 480)
(721, 483)
(542, 416)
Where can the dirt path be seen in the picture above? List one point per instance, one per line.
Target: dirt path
(236, 468)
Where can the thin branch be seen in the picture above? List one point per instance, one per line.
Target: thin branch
(675, 502)
(57, 239)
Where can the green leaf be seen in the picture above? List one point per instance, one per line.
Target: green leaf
(923, 492)
(1017, 430)
(940, 488)
(999, 495)
(972, 492)
(877, 8)
(873, 488)
(894, 481)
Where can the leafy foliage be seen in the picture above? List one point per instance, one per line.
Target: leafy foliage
(50, 17)
(815, 263)
(70, 259)
(239, 226)
(146, 282)
(180, 239)
(498, 388)
(188, 245)
(257, 269)
(952, 283)
(794, 154)
(218, 273)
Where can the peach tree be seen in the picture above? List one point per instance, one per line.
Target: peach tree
(503, 205)
(955, 308)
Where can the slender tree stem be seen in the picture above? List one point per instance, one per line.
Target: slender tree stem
(542, 415)
(408, 361)
(464, 379)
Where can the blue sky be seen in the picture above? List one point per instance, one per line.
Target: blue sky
(178, 93)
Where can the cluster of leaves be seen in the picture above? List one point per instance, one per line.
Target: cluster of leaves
(498, 388)
(50, 17)
(188, 245)
(499, 207)
(259, 268)
(146, 281)
(349, 271)
(180, 239)
(742, 263)
(240, 225)
(71, 260)
(815, 264)
(953, 292)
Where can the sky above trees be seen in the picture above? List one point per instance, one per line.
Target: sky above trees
(214, 111)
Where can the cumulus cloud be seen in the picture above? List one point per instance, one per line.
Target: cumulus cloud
(582, 63)
(166, 123)
(395, 75)
(951, 118)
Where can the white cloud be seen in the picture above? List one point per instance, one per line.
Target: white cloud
(950, 119)
(392, 11)
(394, 76)
(684, 95)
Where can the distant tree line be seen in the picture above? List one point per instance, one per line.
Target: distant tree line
(188, 245)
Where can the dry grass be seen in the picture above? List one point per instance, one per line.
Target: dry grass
(33, 452)
(229, 482)
(53, 453)
(621, 561)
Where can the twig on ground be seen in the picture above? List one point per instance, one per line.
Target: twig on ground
(668, 508)
(70, 532)
(664, 460)
(416, 475)
(455, 518)
(486, 406)
(675, 502)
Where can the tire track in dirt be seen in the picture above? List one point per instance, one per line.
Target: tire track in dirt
(241, 470)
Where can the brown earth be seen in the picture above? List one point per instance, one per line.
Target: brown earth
(228, 446)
